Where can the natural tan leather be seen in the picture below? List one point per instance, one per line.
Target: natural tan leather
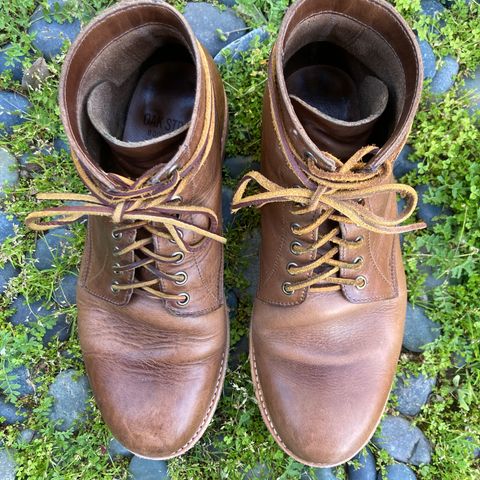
(154, 346)
(323, 355)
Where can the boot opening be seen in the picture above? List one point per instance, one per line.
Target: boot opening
(345, 83)
(129, 89)
(151, 107)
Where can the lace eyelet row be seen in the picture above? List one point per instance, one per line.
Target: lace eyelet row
(179, 256)
(360, 281)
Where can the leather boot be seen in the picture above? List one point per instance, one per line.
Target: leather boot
(145, 113)
(344, 84)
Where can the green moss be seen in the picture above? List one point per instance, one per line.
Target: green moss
(446, 140)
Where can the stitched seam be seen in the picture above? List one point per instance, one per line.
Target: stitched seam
(262, 401)
(372, 258)
(393, 264)
(109, 300)
(212, 402)
(280, 248)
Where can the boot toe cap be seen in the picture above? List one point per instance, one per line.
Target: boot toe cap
(156, 378)
(322, 395)
(155, 417)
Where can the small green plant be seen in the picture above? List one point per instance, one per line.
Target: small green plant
(446, 141)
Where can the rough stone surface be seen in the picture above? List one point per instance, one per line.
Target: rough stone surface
(7, 272)
(242, 44)
(70, 394)
(35, 75)
(419, 329)
(20, 377)
(431, 280)
(26, 436)
(472, 88)
(258, 472)
(238, 352)
(7, 226)
(7, 464)
(15, 65)
(251, 254)
(402, 164)
(325, 474)
(398, 471)
(49, 37)
(13, 111)
(426, 211)
(29, 313)
(412, 393)
(428, 57)
(52, 245)
(403, 441)
(28, 164)
(143, 469)
(206, 21)
(60, 145)
(432, 8)
(232, 304)
(8, 171)
(116, 449)
(66, 292)
(366, 469)
(445, 76)
(227, 216)
(11, 413)
(237, 165)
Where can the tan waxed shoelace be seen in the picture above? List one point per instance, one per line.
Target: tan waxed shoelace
(140, 213)
(337, 198)
(138, 206)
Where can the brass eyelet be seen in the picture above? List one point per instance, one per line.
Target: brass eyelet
(176, 198)
(116, 249)
(171, 171)
(293, 227)
(358, 260)
(116, 235)
(309, 156)
(180, 256)
(363, 284)
(115, 268)
(180, 234)
(291, 265)
(114, 287)
(293, 245)
(182, 303)
(286, 288)
(359, 239)
(184, 279)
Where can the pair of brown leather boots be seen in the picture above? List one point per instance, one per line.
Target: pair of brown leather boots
(145, 112)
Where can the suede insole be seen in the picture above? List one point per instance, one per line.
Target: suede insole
(162, 101)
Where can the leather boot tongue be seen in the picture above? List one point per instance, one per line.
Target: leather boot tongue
(337, 114)
(106, 109)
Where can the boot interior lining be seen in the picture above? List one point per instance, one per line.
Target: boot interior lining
(126, 62)
(347, 51)
(162, 101)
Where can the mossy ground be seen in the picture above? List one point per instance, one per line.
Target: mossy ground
(447, 142)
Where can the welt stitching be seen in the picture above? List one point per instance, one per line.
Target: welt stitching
(212, 402)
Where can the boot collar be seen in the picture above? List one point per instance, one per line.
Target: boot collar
(301, 25)
(78, 79)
